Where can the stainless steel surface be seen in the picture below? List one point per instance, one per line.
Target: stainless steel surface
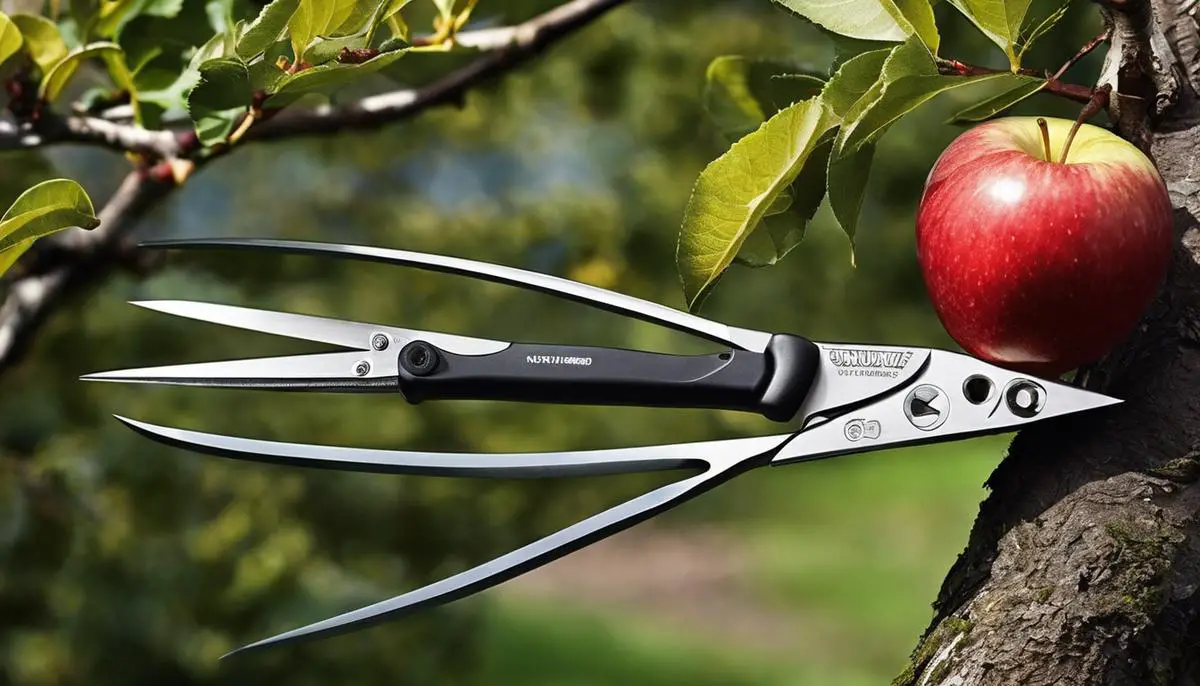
(851, 373)
(481, 465)
(357, 335)
(328, 371)
(720, 460)
(747, 339)
(940, 405)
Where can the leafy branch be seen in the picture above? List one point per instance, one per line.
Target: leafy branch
(799, 137)
(77, 259)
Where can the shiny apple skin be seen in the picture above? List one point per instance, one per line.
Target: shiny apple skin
(1037, 266)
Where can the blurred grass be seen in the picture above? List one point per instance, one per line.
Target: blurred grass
(850, 551)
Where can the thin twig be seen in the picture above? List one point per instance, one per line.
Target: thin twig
(520, 44)
(1070, 91)
(84, 258)
(1083, 52)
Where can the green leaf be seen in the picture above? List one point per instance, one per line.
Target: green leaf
(873, 20)
(1000, 101)
(265, 75)
(780, 231)
(445, 7)
(853, 80)
(323, 50)
(999, 20)
(362, 13)
(388, 10)
(909, 79)
(733, 192)
(43, 41)
(328, 74)
(317, 18)
(266, 28)
(46, 208)
(847, 185)
(167, 9)
(741, 93)
(218, 101)
(1042, 29)
(10, 38)
(111, 16)
(119, 72)
(61, 73)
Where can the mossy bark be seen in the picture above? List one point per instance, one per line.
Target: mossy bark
(1083, 566)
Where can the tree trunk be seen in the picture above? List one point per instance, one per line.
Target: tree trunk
(1084, 561)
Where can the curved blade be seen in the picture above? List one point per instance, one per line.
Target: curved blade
(954, 397)
(745, 339)
(722, 459)
(513, 564)
(483, 465)
(307, 327)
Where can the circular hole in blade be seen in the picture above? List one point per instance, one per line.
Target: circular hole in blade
(978, 389)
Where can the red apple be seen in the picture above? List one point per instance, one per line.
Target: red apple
(1037, 264)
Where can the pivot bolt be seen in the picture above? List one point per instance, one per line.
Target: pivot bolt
(419, 358)
(362, 368)
(379, 341)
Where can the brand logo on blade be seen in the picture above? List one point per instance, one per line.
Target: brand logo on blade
(864, 362)
(558, 359)
(857, 429)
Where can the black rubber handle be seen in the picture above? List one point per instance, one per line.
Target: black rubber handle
(773, 383)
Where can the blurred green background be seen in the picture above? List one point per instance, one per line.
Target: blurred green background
(122, 562)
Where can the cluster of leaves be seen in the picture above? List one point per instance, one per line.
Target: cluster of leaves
(799, 136)
(222, 63)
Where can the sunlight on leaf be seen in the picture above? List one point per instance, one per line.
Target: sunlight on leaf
(328, 74)
(741, 93)
(909, 79)
(43, 41)
(266, 28)
(853, 80)
(62, 72)
(734, 191)
(780, 231)
(876, 20)
(1001, 101)
(10, 38)
(999, 20)
(44, 209)
(314, 18)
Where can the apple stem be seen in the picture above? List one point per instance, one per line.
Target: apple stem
(1098, 101)
(1045, 137)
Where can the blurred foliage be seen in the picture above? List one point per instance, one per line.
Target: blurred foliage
(122, 562)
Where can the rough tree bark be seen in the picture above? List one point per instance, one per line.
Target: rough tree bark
(1083, 566)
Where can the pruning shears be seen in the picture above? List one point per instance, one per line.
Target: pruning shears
(844, 398)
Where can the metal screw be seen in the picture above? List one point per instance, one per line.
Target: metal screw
(362, 368)
(379, 341)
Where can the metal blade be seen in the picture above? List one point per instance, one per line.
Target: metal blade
(515, 563)
(482, 465)
(954, 397)
(747, 339)
(322, 329)
(321, 372)
(852, 373)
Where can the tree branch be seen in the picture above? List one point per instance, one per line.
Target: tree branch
(88, 255)
(511, 47)
(52, 129)
(1070, 91)
(75, 259)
